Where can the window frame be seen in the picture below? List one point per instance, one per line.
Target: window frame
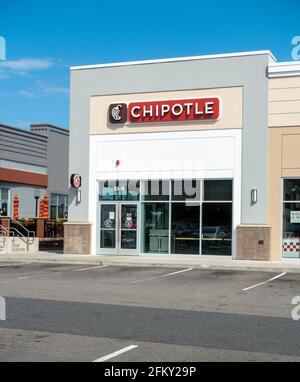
(57, 205)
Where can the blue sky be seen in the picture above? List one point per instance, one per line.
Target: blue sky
(45, 38)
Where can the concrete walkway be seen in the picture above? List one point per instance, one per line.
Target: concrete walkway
(291, 266)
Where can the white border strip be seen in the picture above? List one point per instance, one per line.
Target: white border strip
(116, 354)
(178, 59)
(284, 69)
(265, 282)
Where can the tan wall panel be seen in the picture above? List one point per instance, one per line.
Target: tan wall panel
(290, 172)
(291, 151)
(231, 118)
(287, 94)
(285, 82)
(283, 107)
(283, 162)
(279, 120)
(284, 101)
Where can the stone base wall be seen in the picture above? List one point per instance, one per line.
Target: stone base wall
(77, 238)
(254, 242)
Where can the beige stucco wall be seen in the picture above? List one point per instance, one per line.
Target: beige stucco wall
(284, 148)
(284, 101)
(231, 112)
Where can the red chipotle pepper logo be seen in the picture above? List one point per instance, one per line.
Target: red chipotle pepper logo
(200, 109)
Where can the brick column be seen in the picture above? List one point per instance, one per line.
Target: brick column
(77, 238)
(5, 222)
(254, 242)
(40, 227)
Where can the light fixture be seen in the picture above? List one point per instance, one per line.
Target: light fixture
(37, 195)
(78, 196)
(253, 196)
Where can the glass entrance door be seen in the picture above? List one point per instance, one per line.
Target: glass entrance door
(128, 228)
(119, 228)
(108, 227)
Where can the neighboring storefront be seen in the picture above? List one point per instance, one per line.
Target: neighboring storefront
(32, 164)
(171, 157)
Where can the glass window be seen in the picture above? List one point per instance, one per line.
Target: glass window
(108, 239)
(129, 226)
(217, 190)
(53, 212)
(108, 226)
(155, 226)
(54, 199)
(291, 230)
(61, 199)
(60, 213)
(127, 190)
(59, 206)
(156, 190)
(216, 229)
(291, 189)
(187, 189)
(185, 237)
(4, 194)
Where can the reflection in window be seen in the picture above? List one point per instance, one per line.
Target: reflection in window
(4, 193)
(120, 190)
(291, 190)
(187, 189)
(107, 226)
(216, 228)
(185, 236)
(59, 206)
(155, 226)
(156, 190)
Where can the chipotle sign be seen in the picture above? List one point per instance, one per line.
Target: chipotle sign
(199, 109)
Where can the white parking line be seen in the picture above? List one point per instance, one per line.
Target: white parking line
(115, 354)
(14, 264)
(265, 282)
(64, 270)
(87, 269)
(159, 277)
(29, 277)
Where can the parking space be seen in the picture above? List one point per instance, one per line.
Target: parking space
(191, 289)
(170, 314)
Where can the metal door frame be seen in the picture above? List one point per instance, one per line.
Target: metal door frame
(118, 208)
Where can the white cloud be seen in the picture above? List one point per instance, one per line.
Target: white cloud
(52, 88)
(21, 124)
(55, 90)
(27, 64)
(26, 93)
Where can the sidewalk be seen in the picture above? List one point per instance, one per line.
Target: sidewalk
(290, 266)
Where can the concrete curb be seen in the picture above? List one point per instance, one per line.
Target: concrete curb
(164, 262)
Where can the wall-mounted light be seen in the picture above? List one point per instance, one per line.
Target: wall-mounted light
(78, 196)
(254, 196)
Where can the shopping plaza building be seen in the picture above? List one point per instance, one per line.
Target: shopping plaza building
(34, 163)
(189, 156)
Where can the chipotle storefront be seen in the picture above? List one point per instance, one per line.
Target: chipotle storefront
(172, 157)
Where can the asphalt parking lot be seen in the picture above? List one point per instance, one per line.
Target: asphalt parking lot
(110, 313)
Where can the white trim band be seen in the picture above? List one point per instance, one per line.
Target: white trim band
(284, 69)
(178, 59)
